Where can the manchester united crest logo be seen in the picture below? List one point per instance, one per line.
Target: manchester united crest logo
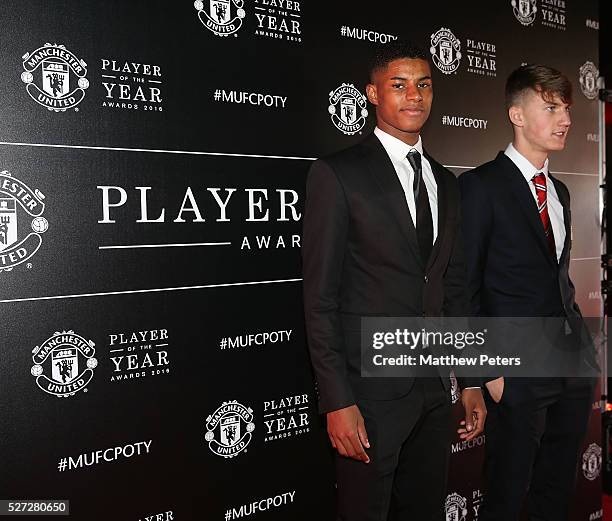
(222, 17)
(524, 11)
(229, 429)
(588, 80)
(591, 462)
(64, 363)
(445, 50)
(21, 221)
(455, 507)
(347, 107)
(55, 77)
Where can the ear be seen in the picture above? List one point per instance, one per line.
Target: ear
(515, 113)
(372, 94)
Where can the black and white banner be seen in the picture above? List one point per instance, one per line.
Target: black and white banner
(153, 158)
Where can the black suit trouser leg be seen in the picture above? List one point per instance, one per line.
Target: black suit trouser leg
(410, 445)
(532, 448)
(554, 476)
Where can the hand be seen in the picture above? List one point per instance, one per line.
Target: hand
(346, 430)
(496, 389)
(475, 414)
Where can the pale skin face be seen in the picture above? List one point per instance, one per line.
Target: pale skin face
(540, 126)
(402, 93)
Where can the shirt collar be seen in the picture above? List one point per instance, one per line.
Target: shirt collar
(523, 164)
(396, 148)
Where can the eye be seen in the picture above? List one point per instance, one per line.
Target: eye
(424, 85)
(551, 108)
(398, 85)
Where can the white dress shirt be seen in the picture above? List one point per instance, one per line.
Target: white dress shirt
(555, 210)
(397, 151)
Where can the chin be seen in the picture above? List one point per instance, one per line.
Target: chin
(557, 146)
(412, 128)
(412, 124)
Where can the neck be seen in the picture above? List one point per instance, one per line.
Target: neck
(410, 138)
(536, 157)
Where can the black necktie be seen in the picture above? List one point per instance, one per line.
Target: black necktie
(424, 224)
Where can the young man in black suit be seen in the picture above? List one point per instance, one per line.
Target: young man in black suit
(382, 237)
(517, 233)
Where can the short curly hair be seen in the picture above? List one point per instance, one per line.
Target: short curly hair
(395, 50)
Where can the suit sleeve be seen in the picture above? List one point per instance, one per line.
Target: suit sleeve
(455, 278)
(324, 242)
(578, 324)
(477, 224)
(456, 302)
(569, 279)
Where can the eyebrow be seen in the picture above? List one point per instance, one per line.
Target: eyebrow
(556, 104)
(404, 79)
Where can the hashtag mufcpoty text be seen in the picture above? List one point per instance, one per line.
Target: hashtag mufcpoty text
(251, 98)
(366, 34)
(259, 339)
(465, 122)
(260, 506)
(108, 455)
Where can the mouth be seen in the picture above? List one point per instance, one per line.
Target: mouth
(560, 133)
(412, 111)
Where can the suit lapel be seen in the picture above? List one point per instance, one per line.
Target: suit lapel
(526, 202)
(442, 203)
(567, 220)
(381, 168)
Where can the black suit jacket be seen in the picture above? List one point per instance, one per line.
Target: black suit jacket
(361, 258)
(511, 272)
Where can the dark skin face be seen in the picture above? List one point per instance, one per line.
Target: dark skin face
(402, 93)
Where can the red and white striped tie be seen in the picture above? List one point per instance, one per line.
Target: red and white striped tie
(539, 181)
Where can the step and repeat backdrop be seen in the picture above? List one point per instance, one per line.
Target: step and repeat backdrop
(153, 156)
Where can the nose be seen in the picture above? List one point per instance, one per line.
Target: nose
(412, 92)
(566, 119)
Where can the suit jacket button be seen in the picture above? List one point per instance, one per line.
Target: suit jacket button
(426, 279)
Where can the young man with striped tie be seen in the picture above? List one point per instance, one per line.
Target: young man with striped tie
(517, 233)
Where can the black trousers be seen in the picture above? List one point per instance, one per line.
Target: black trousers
(410, 447)
(533, 438)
